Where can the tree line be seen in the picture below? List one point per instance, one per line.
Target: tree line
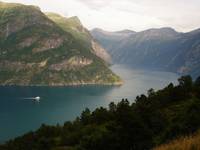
(153, 119)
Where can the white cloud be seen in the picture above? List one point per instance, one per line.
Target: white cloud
(95, 4)
(182, 15)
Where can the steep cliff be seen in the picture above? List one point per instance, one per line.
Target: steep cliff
(34, 50)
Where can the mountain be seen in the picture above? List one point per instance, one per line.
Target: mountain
(73, 25)
(151, 120)
(110, 40)
(35, 50)
(162, 48)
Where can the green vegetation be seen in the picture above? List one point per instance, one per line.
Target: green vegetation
(31, 44)
(73, 26)
(151, 120)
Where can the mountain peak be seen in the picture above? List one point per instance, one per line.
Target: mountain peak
(164, 32)
(52, 14)
(167, 29)
(4, 5)
(97, 30)
(161, 30)
(75, 20)
(126, 31)
(122, 33)
(193, 32)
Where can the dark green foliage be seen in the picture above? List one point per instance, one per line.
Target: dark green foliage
(149, 121)
(186, 83)
(197, 87)
(197, 82)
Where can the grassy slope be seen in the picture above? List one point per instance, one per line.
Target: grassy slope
(73, 26)
(183, 143)
(39, 26)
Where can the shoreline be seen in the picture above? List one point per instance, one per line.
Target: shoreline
(120, 83)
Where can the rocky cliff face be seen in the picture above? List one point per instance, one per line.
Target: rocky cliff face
(162, 48)
(73, 25)
(110, 40)
(100, 52)
(73, 63)
(35, 50)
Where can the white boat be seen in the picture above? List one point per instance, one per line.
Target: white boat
(34, 98)
(37, 98)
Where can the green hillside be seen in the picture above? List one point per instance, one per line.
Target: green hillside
(73, 25)
(150, 121)
(34, 50)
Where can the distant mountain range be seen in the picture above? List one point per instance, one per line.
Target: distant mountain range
(48, 49)
(162, 48)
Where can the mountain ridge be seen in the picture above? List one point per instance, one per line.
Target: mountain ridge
(158, 48)
(74, 26)
(36, 51)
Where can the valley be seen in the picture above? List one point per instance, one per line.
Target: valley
(99, 75)
(159, 49)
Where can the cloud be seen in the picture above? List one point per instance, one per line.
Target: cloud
(183, 15)
(95, 4)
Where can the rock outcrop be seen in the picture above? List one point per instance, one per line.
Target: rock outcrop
(36, 50)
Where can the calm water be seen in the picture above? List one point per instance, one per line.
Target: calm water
(58, 104)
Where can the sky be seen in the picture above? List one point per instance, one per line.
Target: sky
(137, 15)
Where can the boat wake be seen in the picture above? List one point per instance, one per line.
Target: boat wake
(33, 98)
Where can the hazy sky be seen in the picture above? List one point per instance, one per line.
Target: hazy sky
(183, 15)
